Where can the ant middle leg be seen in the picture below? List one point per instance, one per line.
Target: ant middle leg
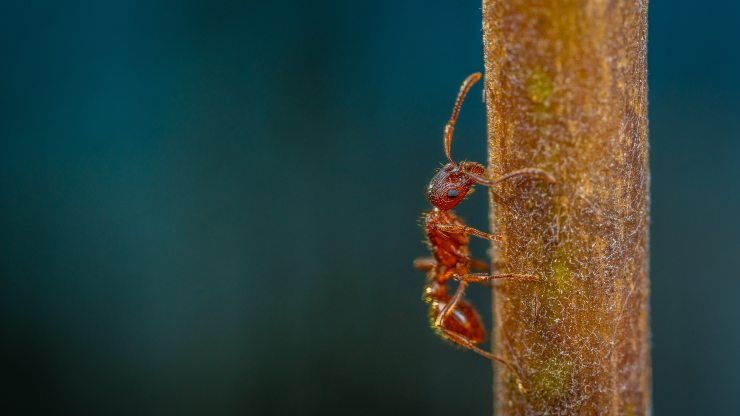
(464, 229)
(484, 278)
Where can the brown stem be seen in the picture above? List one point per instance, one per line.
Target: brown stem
(566, 87)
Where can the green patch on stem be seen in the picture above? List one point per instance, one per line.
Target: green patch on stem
(553, 379)
(539, 86)
(562, 276)
(560, 282)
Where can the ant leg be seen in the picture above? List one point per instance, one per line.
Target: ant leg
(521, 172)
(464, 229)
(425, 263)
(464, 341)
(450, 306)
(483, 278)
(450, 127)
(479, 265)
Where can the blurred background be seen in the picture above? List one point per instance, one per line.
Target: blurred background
(212, 207)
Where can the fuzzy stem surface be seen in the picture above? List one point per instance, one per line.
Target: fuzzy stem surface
(566, 88)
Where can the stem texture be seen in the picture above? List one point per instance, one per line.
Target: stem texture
(567, 92)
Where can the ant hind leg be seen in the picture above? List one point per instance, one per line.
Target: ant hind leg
(481, 265)
(425, 263)
(462, 340)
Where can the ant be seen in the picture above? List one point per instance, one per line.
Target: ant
(452, 317)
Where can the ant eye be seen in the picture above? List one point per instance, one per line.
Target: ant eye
(452, 193)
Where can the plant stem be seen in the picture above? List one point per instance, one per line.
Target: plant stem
(567, 92)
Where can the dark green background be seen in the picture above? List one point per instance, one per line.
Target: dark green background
(210, 208)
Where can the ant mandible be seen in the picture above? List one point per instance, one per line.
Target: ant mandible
(452, 317)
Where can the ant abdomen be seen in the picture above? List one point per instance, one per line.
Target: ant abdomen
(464, 320)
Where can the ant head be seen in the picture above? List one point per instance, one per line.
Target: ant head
(451, 184)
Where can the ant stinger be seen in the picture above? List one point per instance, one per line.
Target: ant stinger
(452, 317)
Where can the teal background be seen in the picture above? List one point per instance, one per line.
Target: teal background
(211, 207)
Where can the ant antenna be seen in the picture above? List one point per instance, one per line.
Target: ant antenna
(450, 127)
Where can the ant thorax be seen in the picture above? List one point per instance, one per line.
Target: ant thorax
(450, 250)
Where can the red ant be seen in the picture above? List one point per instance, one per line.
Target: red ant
(452, 317)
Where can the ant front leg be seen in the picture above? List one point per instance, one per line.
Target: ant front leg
(464, 341)
(464, 229)
(534, 172)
